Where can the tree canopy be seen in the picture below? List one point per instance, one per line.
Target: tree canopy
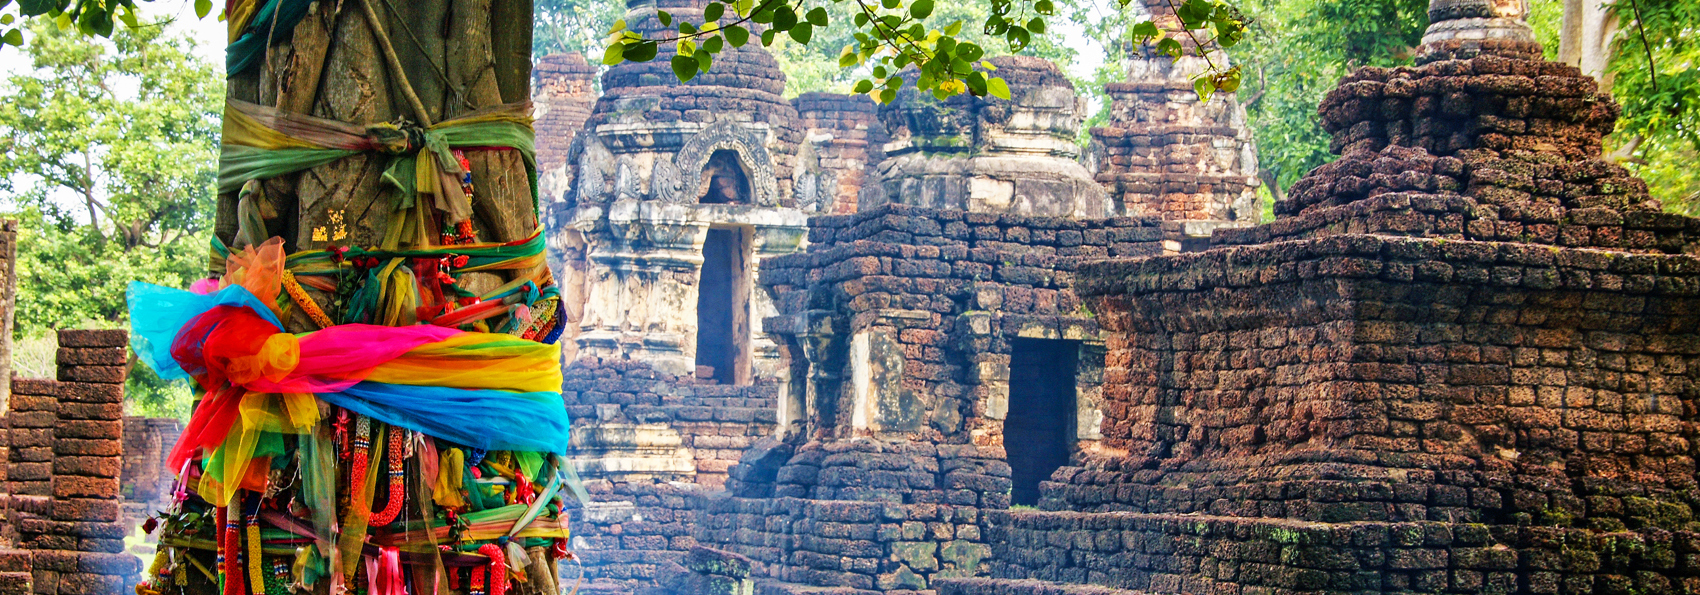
(107, 158)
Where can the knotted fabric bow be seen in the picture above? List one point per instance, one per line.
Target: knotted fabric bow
(483, 390)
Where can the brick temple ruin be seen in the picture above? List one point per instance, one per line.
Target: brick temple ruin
(965, 356)
(824, 346)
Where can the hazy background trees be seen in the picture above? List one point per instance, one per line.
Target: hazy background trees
(107, 158)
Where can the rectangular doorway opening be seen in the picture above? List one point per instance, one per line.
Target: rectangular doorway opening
(723, 308)
(1038, 431)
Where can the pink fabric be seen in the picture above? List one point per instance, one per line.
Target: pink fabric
(383, 573)
(204, 286)
(338, 357)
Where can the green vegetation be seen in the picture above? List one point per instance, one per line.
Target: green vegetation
(107, 157)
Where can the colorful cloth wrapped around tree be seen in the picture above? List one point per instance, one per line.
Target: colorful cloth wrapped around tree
(376, 459)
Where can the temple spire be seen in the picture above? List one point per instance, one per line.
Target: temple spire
(1466, 28)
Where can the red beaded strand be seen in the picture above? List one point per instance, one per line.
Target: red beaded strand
(398, 454)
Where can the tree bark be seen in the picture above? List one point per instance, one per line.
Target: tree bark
(1585, 38)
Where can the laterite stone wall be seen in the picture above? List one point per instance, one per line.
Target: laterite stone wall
(63, 473)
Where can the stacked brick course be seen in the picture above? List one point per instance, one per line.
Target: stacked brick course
(716, 422)
(67, 438)
(562, 98)
(884, 485)
(642, 490)
(842, 137)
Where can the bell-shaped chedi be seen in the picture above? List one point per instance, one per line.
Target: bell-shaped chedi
(989, 155)
(1164, 153)
(679, 190)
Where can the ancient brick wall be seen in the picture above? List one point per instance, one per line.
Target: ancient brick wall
(562, 96)
(842, 136)
(1164, 153)
(66, 437)
(146, 483)
(949, 291)
(714, 422)
(647, 443)
(1460, 361)
(883, 483)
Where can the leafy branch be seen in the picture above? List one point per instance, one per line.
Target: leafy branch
(1226, 27)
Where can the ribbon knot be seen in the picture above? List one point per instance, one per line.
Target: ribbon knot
(276, 358)
(396, 139)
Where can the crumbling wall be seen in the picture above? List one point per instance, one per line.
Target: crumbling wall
(842, 137)
(1460, 361)
(900, 322)
(647, 444)
(67, 456)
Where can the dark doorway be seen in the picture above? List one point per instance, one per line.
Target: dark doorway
(723, 310)
(1038, 432)
(724, 181)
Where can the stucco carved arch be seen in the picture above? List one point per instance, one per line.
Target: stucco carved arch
(747, 143)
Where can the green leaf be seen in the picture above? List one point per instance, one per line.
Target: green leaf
(619, 25)
(847, 58)
(713, 11)
(861, 19)
(996, 87)
(767, 38)
(203, 8)
(6, 19)
(1018, 38)
(704, 60)
(802, 32)
(1169, 47)
(1144, 30)
(714, 45)
(642, 51)
(686, 29)
(736, 35)
(30, 8)
(1204, 88)
(684, 67)
(784, 18)
(890, 4)
(976, 84)
(125, 13)
(969, 51)
(666, 19)
(863, 86)
(614, 55)
(744, 7)
(817, 17)
(953, 29)
(1037, 25)
(1044, 7)
(921, 9)
(13, 38)
(888, 95)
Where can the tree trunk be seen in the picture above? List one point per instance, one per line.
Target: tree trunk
(1585, 39)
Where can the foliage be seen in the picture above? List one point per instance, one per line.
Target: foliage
(572, 25)
(107, 153)
(91, 17)
(1661, 100)
(890, 36)
(1297, 51)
